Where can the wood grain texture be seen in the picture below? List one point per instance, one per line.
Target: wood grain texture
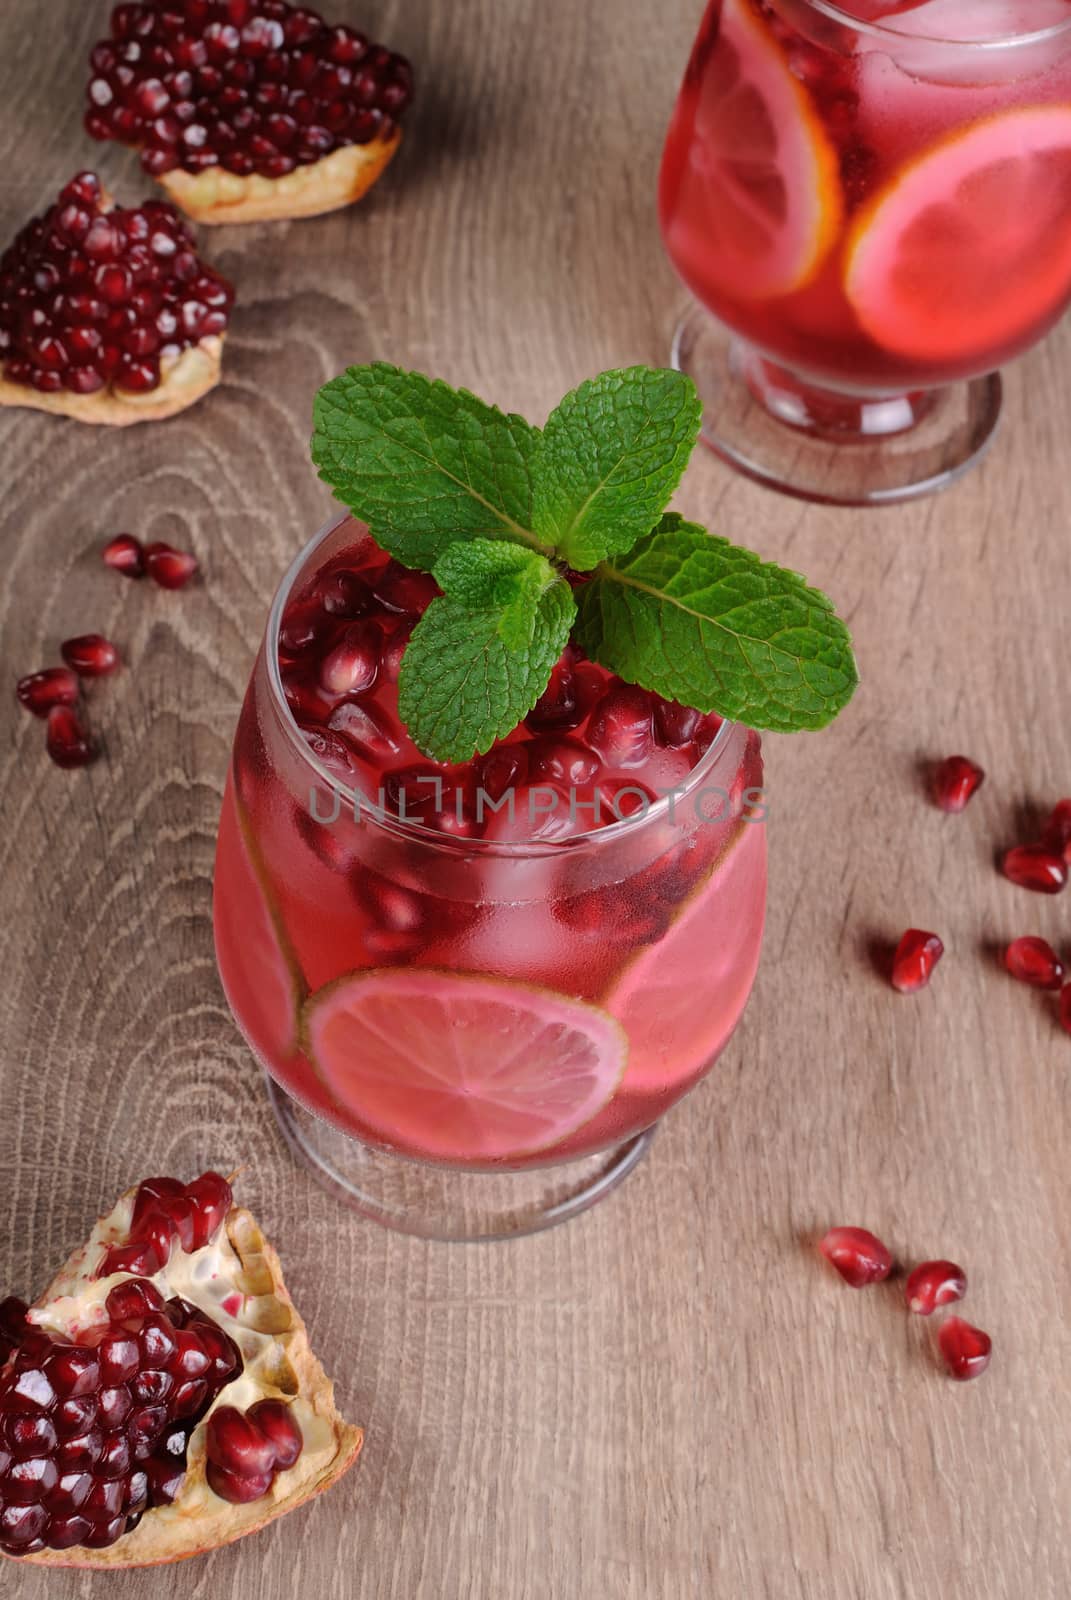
(670, 1397)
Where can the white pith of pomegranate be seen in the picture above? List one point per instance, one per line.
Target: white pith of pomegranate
(109, 1455)
(97, 299)
(258, 88)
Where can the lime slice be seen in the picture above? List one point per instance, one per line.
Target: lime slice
(461, 1067)
(967, 249)
(260, 972)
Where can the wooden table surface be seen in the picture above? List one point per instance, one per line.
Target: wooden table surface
(672, 1396)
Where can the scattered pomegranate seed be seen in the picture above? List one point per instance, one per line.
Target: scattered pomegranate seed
(1034, 961)
(1056, 834)
(1065, 1007)
(125, 554)
(966, 1350)
(858, 1256)
(171, 569)
(40, 691)
(955, 780)
(1033, 866)
(91, 655)
(933, 1284)
(93, 298)
(916, 956)
(67, 741)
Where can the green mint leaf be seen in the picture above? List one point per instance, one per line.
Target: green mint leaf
(423, 464)
(609, 459)
(461, 685)
(486, 575)
(699, 620)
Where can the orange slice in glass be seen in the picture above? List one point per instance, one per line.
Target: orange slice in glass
(759, 201)
(968, 248)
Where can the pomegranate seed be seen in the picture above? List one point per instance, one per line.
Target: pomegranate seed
(67, 742)
(955, 780)
(83, 292)
(858, 1256)
(40, 691)
(351, 667)
(236, 1487)
(916, 956)
(91, 655)
(966, 1350)
(211, 1197)
(1065, 1007)
(621, 727)
(1034, 961)
(675, 725)
(235, 1443)
(1056, 834)
(276, 1421)
(933, 1284)
(171, 569)
(1032, 866)
(125, 554)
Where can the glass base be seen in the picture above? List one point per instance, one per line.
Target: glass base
(438, 1203)
(790, 434)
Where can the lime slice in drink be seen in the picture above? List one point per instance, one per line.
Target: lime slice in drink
(967, 248)
(260, 972)
(462, 1067)
(760, 200)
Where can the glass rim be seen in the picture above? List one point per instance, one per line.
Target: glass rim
(881, 29)
(415, 832)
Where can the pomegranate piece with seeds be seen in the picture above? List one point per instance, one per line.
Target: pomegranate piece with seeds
(966, 1350)
(66, 739)
(1034, 866)
(90, 655)
(248, 111)
(1034, 961)
(107, 313)
(932, 1284)
(858, 1256)
(954, 781)
(171, 569)
(125, 554)
(916, 956)
(108, 1385)
(40, 691)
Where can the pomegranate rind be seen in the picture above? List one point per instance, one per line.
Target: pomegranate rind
(419, 1057)
(195, 372)
(335, 181)
(921, 302)
(279, 1364)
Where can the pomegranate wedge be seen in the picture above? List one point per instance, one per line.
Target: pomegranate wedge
(161, 1398)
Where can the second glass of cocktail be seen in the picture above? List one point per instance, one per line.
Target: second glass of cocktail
(479, 970)
(874, 199)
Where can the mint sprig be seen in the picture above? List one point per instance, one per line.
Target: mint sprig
(498, 511)
(700, 620)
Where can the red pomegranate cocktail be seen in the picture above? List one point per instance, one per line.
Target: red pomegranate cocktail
(876, 200)
(491, 872)
(454, 962)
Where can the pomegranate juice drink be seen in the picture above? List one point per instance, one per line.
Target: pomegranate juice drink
(482, 897)
(875, 198)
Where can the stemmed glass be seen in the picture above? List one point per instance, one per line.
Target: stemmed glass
(872, 204)
(469, 1031)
